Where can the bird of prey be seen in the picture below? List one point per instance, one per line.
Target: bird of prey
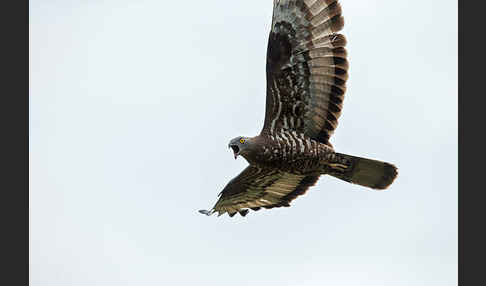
(306, 80)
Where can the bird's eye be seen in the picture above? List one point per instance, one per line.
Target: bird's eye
(242, 140)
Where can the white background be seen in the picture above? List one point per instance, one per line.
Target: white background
(132, 104)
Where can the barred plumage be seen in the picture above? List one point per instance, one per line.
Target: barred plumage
(306, 72)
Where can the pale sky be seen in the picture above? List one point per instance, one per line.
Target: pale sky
(133, 103)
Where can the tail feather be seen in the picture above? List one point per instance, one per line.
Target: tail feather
(365, 172)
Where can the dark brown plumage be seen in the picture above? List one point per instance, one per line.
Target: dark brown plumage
(306, 81)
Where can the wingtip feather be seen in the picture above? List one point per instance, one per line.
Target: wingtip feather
(206, 212)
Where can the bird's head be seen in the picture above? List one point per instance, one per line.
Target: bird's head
(241, 146)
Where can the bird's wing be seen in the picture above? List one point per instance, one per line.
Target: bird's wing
(256, 188)
(306, 68)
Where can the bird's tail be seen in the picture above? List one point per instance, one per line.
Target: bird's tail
(365, 172)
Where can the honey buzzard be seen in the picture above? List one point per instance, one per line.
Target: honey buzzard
(306, 81)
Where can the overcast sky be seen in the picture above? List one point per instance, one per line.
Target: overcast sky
(133, 103)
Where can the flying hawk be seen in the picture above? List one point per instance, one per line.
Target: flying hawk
(306, 79)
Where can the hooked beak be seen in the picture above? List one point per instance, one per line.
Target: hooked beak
(236, 150)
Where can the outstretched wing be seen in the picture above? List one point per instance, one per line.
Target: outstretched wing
(257, 187)
(306, 68)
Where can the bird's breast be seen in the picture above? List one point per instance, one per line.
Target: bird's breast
(289, 150)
